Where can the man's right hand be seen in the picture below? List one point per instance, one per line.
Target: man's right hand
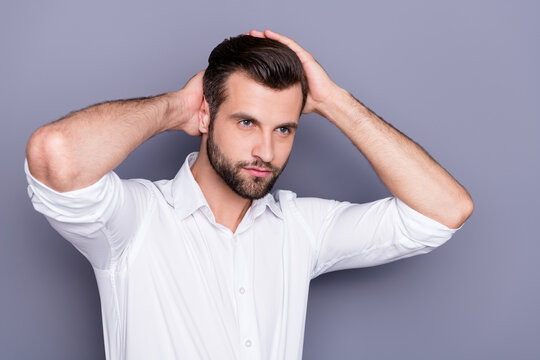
(189, 101)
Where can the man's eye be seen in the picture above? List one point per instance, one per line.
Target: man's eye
(283, 130)
(245, 122)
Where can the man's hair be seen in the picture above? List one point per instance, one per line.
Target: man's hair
(266, 61)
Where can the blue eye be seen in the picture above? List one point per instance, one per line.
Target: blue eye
(284, 130)
(245, 122)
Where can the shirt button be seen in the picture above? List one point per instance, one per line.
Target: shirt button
(248, 343)
(242, 290)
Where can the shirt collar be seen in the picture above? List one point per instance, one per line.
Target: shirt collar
(187, 196)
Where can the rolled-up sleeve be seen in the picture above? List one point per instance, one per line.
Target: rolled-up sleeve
(99, 220)
(349, 235)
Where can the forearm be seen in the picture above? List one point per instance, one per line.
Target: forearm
(402, 165)
(79, 149)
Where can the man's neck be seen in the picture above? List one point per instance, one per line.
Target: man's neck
(227, 206)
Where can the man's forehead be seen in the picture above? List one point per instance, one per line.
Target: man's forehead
(240, 75)
(244, 94)
(241, 78)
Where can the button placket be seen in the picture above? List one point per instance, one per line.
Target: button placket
(244, 296)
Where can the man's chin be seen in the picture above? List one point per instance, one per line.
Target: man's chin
(254, 193)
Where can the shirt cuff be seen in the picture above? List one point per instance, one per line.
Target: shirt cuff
(85, 204)
(422, 228)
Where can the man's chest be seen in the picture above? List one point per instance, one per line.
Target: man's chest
(207, 267)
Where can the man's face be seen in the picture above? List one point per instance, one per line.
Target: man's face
(251, 138)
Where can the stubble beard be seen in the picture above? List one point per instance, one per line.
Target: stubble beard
(252, 187)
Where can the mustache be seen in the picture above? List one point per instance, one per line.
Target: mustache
(258, 164)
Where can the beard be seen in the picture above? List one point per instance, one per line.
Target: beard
(252, 187)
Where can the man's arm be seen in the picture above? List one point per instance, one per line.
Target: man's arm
(402, 165)
(77, 150)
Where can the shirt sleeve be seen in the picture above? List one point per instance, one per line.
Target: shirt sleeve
(100, 220)
(349, 235)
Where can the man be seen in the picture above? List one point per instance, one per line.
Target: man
(210, 265)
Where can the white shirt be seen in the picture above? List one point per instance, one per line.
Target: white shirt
(174, 284)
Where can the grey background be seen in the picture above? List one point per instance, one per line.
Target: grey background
(459, 77)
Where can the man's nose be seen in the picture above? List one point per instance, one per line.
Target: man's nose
(264, 148)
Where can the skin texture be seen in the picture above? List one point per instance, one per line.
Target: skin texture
(233, 173)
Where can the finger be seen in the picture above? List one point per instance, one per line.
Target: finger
(284, 39)
(199, 74)
(257, 33)
(302, 54)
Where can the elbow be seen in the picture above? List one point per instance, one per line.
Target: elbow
(465, 210)
(469, 208)
(36, 153)
(45, 153)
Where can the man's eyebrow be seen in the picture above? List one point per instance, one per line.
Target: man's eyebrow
(246, 116)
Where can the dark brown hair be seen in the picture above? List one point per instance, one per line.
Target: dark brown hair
(266, 61)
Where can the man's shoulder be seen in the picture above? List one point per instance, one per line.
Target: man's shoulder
(162, 188)
(304, 204)
(283, 195)
(151, 189)
(291, 195)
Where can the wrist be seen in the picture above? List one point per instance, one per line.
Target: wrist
(174, 114)
(334, 105)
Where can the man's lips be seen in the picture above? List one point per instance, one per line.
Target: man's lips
(257, 172)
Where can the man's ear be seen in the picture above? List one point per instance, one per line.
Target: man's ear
(204, 117)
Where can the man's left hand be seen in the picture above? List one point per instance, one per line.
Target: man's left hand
(322, 89)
